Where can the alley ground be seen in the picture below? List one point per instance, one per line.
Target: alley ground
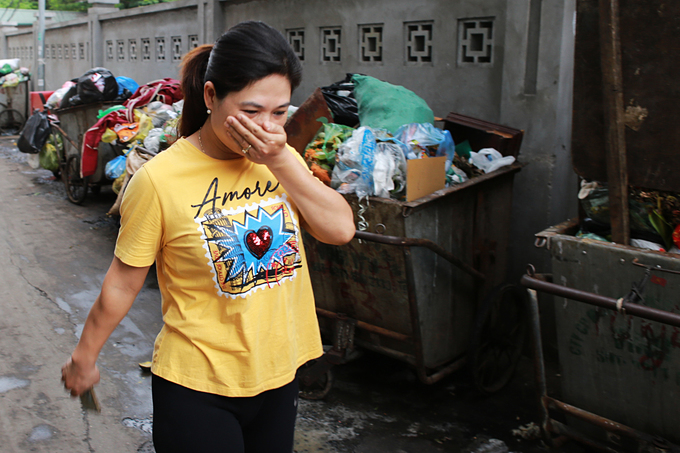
(53, 257)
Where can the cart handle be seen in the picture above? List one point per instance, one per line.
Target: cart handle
(62, 132)
(412, 242)
(534, 281)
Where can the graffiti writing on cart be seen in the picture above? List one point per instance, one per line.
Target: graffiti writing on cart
(629, 341)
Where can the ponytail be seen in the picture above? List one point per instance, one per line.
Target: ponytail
(246, 53)
(192, 77)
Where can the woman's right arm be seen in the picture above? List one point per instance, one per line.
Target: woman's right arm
(119, 290)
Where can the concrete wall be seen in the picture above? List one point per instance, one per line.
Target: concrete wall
(506, 61)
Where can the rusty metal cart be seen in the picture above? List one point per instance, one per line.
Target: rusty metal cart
(619, 347)
(424, 282)
(72, 125)
(617, 308)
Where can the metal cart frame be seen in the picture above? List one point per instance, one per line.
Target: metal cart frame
(415, 289)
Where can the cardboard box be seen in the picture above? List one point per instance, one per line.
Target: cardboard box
(424, 176)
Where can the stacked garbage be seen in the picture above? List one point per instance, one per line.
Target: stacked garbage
(11, 74)
(377, 127)
(654, 216)
(139, 129)
(138, 123)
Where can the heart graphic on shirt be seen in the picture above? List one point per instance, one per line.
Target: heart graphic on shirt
(258, 243)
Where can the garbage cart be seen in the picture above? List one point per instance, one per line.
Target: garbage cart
(423, 281)
(72, 125)
(14, 108)
(617, 307)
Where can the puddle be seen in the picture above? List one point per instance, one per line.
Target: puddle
(8, 383)
(40, 433)
(63, 305)
(145, 425)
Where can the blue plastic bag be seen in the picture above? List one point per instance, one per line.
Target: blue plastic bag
(115, 167)
(353, 171)
(126, 83)
(421, 136)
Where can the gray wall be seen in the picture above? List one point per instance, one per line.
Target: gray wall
(515, 68)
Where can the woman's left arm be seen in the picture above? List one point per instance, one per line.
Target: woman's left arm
(325, 213)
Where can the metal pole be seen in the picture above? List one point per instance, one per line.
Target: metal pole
(615, 138)
(41, 45)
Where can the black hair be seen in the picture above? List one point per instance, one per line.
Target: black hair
(246, 53)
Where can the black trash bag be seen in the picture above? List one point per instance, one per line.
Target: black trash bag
(70, 98)
(340, 100)
(97, 85)
(35, 133)
(124, 95)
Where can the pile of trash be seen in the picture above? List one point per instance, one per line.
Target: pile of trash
(140, 122)
(96, 85)
(654, 216)
(11, 74)
(377, 128)
(140, 128)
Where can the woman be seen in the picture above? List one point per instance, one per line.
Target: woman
(220, 213)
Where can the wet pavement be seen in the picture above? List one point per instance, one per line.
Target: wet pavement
(376, 405)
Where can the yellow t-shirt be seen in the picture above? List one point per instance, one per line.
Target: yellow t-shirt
(237, 301)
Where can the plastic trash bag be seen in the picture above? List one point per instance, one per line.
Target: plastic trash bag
(70, 97)
(8, 66)
(115, 167)
(96, 85)
(10, 80)
(455, 175)
(33, 161)
(145, 125)
(49, 157)
(117, 185)
(425, 138)
(340, 100)
(126, 87)
(35, 133)
(55, 98)
(159, 113)
(354, 167)
(488, 159)
(169, 133)
(386, 106)
(109, 136)
(152, 142)
(389, 169)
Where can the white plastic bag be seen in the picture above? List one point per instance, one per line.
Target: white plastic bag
(389, 170)
(152, 142)
(488, 160)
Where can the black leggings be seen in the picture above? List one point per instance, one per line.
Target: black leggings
(188, 421)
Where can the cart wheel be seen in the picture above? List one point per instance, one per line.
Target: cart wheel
(318, 389)
(498, 338)
(11, 122)
(76, 187)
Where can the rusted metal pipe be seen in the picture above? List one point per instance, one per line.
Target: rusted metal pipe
(563, 431)
(412, 242)
(366, 326)
(653, 314)
(539, 364)
(606, 424)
